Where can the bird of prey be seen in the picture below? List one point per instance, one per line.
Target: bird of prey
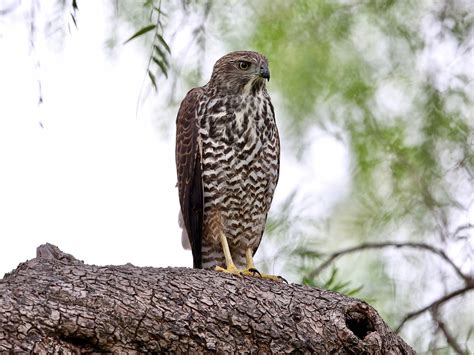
(227, 161)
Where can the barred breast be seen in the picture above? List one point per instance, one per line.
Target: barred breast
(240, 161)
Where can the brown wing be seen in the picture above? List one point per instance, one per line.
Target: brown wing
(188, 167)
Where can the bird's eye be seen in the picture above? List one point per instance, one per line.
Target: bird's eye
(244, 65)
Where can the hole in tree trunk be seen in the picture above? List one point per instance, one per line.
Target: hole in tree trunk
(359, 324)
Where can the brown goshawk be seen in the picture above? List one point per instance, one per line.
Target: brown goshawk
(227, 159)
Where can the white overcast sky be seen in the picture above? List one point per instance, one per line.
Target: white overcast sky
(96, 179)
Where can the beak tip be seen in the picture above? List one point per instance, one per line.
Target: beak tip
(265, 73)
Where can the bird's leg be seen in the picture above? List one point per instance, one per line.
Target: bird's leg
(230, 266)
(252, 271)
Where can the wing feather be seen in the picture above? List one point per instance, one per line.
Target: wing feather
(188, 167)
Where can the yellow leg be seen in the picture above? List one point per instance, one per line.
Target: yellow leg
(249, 258)
(230, 266)
(249, 271)
(252, 271)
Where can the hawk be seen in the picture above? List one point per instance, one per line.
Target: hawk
(227, 162)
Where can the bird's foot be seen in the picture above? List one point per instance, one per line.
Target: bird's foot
(251, 272)
(255, 273)
(231, 269)
(276, 278)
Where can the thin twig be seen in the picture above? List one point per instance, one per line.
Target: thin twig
(447, 334)
(435, 304)
(365, 246)
(461, 228)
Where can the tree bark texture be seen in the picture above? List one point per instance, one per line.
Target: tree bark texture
(55, 303)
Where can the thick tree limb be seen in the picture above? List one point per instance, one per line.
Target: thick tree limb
(56, 303)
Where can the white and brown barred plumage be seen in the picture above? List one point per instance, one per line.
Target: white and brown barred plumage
(227, 159)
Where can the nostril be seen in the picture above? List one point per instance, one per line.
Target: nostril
(359, 324)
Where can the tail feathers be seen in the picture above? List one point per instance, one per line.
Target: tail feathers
(184, 235)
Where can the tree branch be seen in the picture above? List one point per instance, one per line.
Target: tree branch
(55, 303)
(435, 304)
(462, 228)
(447, 334)
(365, 246)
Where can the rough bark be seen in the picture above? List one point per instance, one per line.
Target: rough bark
(57, 303)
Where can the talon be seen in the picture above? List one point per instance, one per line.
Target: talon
(231, 269)
(273, 278)
(254, 271)
(283, 279)
(251, 270)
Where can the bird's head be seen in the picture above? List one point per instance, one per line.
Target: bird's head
(242, 72)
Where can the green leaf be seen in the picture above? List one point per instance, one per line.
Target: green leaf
(74, 20)
(309, 282)
(163, 42)
(153, 79)
(162, 64)
(329, 282)
(141, 32)
(354, 291)
(159, 52)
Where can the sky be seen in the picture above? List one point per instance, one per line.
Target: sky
(81, 170)
(88, 172)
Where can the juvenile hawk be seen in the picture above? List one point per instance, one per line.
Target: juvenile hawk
(227, 160)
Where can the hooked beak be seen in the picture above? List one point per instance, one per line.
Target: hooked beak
(264, 72)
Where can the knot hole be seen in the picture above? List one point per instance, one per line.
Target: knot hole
(359, 324)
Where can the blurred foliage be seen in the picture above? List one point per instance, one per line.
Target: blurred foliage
(393, 81)
(370, 74)
(159, 48)
(372, 69)
(321, 54)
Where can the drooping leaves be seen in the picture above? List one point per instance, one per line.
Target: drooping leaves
(158, 61)
(141, 32)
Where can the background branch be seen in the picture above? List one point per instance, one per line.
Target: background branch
(413, 245)
(447, 334)
(435, 304)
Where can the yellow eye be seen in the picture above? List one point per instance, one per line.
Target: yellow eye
(244, 65)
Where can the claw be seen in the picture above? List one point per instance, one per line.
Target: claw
(273, 278)
(231, 269)
(255, 271)
(252, 270)
(249, 271)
